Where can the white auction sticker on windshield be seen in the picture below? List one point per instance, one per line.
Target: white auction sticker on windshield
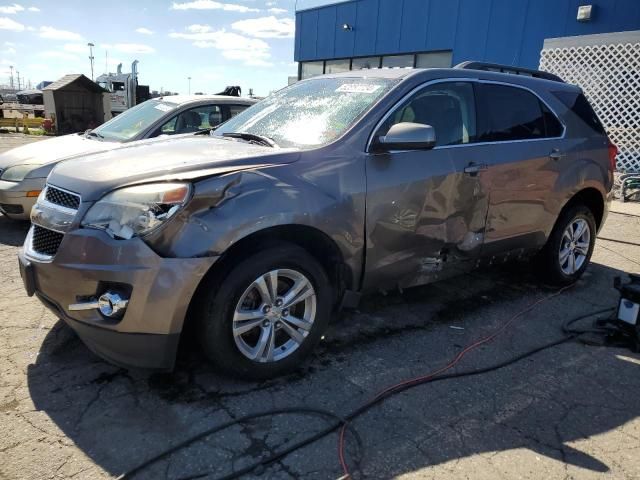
(357, 88)
(163, 108)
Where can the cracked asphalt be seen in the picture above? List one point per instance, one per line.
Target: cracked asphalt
(568, 412)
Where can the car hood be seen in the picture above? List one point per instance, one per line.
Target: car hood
(53, 150)
(185, 158)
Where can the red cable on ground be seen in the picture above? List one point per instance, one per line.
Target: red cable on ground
(430, 376)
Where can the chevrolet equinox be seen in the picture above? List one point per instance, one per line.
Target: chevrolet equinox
(337, 185)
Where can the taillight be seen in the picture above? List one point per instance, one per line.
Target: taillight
(613, 153)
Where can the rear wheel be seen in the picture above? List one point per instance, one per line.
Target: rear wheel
(266, 314)
(568, 251)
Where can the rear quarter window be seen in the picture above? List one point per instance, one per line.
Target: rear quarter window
(578, 104)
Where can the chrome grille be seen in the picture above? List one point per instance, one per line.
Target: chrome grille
(62, 198)
(44, 241)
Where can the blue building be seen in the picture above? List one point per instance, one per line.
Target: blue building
(333, 36)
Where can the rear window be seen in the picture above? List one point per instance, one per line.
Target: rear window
(578, 104)
(511, 113)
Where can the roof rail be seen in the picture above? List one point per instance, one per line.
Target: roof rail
(496, 67)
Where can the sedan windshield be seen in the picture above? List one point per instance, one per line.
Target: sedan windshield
(310, 113)
(133, 121)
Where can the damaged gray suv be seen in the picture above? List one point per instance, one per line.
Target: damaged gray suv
(334, 186)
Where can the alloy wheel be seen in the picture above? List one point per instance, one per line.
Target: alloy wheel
(274, 315)
(574, 246)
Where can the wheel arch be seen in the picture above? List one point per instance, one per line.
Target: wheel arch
(317, 243)
(593, 199)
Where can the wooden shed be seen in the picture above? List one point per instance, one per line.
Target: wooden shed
(76, 103)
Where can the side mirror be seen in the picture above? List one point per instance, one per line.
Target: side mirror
(407, 136)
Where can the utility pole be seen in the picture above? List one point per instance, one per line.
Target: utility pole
(91, 58)
(11, 79)
(106, 61)
(18, 75)
(189, 78)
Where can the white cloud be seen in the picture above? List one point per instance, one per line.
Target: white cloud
(198, 28)
(8, 24)
(55, 34)
(76, 48)
(266, 27)
(34, 9)
(11, 9)
(144, 31)
(277, 10)
(129, 48)
(8, 51)
(251, 51)
(212, 5)
(58, 55)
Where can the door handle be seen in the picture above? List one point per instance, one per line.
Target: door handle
(556, 154)
(474, 168)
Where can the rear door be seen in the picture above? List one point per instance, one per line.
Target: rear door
(425, 214)
(524, 150)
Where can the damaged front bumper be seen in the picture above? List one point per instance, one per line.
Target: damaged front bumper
(88, 264)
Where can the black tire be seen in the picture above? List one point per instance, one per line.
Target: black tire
(220, 296)
(547, 262)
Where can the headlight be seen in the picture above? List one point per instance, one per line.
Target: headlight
(136, 211)
(17, 173)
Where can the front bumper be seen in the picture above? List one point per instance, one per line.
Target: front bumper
(14, 202)
(89, 262)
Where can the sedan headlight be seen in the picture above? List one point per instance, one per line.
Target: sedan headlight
(137, 211)
(16, 173)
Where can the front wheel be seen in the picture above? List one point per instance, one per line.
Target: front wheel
(568, 251)
(266, 315)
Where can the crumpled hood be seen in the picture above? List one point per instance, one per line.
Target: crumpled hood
(164, 159)
(53, 150)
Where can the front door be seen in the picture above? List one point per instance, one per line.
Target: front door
(426, 209)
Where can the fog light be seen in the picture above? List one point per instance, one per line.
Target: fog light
(112, 304)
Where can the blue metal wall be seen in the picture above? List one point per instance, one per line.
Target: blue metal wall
(502, 31)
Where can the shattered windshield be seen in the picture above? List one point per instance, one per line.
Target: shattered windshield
(131, 122)
(310, 113)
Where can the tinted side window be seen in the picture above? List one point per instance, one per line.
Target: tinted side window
(578, 104)
(236, 109)
(448, 107)
(509, 113)
(552, 125)
(193, 120)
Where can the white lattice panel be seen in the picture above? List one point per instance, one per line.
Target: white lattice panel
(610, 77)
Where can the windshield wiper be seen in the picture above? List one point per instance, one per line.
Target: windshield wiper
(206, 131)
(251, 137)
(91, 133)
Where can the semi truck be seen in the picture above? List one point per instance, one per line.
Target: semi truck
(124, 88)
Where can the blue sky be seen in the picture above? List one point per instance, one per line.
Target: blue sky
(216, 43)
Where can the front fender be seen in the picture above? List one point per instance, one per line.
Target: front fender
(228, 208)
